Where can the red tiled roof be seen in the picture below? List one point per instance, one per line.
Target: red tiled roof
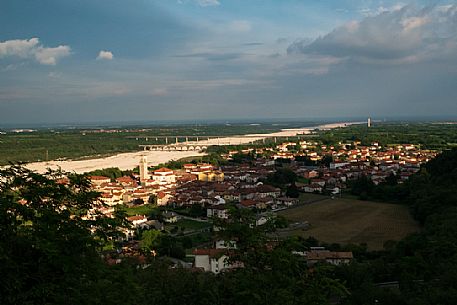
(209, 252)
(125, 179)
(137, 217)
(99, 178)
(163, 170)
(248, 202)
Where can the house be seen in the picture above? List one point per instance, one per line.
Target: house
(137, 220)
(99, 180)
(268, 190)
(108, 199)
(170, 217)
(219, 211)
(249, 203)
(140, 195)
(189, 167)
(163, 198)
(153, 224)
(326, 256)
(260, 220)
(216, 176)
(126, 181)
(321, 182)
(287, 201)
(310, 174)
(313, 188)
(213, 260)
(164, 176)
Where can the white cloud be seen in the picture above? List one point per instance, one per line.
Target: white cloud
(208, 2)
(368, 12)
(240, 26)
(50, 56)
(407, 35)
(410, 24)
(105, 55)
(31, 48)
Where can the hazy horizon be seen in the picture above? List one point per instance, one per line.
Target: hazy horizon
(301, 122)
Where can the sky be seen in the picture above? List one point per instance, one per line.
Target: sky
(152, 60)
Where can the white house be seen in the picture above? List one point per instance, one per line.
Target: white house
(164, 176)
(213, 260)
(219, 211)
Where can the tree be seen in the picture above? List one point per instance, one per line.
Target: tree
(271, 273)
(281, 177)
(152, 199)
(48, 247)
(149, 239)
(363, 186)
(292, 191)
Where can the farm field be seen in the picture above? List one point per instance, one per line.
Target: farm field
(345, 221)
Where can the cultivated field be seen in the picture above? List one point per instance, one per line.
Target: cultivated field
(344, 221)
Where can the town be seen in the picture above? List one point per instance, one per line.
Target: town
(210, 191)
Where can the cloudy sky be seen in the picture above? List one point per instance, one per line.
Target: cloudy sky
(127, 60)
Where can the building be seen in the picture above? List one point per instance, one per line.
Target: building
(144, 174)
(213, 260)
(164, 176)
(97, 181)
(214, 176)
(170, 217)
(218, 211)
(329, 257)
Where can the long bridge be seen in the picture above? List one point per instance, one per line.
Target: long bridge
(199, 143)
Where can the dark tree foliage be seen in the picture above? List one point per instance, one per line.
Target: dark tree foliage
(271, 273)
(50, 254)
(305, 160)
(326, 160)
(281, 177)
(48, 251)
(112, 172)
(424, 264)
(292, 191)
(362, 187)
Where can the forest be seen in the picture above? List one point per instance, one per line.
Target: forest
(429, 135)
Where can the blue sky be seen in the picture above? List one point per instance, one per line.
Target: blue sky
(119, 60)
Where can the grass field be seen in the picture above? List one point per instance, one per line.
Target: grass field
(188, 225)
(345, 221)
(145, 209)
